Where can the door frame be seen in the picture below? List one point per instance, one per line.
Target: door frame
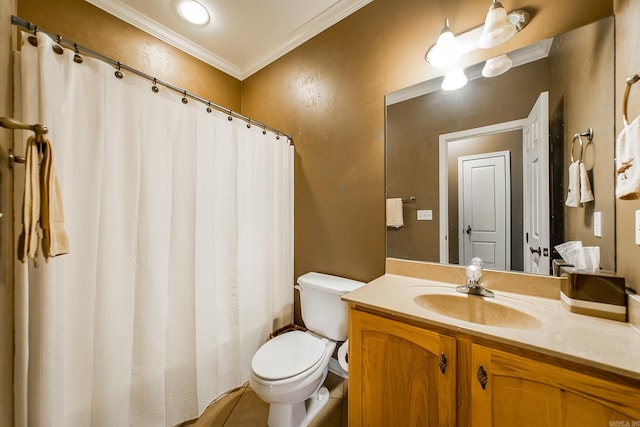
(506, 156)
(445, 140)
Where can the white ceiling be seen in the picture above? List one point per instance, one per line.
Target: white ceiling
(242, 36)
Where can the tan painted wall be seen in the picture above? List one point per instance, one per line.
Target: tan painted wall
(627, 64)
(7, 8)
(583, 84)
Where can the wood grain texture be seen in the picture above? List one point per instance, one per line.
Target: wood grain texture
(394, 375)
(525, 392)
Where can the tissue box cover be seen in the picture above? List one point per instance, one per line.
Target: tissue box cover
(595, 294)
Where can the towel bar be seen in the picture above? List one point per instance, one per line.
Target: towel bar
(10, 123)
(14, 159)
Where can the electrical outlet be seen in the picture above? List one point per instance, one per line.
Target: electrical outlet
(637, 229)
(597, 224)
(425, 215)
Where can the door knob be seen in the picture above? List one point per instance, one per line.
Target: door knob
(536, 251)
(468, 230)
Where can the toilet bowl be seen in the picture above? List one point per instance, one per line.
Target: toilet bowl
(288, 371)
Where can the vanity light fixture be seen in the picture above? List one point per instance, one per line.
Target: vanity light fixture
(193, 11)
(446, 50)
(496, 66)
(497, 27)
(454, 79)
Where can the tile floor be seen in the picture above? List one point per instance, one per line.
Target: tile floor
(243, 408)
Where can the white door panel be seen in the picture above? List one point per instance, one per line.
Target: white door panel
(485, 211)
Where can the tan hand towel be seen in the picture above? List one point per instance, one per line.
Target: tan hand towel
(54, 237)
(394, 213)
(28, 239)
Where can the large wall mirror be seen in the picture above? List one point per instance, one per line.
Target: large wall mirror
(447, 149)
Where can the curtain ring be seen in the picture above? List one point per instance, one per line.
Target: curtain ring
(184, 97)
(56, 47)
(249, 124)
(33, 40)
(230, 117)
(264, 130)
(209, 107)
(154, 88)
(77, 58)
(118, 73)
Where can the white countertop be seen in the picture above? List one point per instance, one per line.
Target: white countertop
(609, 345)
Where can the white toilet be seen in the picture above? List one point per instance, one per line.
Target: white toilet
(288, 371)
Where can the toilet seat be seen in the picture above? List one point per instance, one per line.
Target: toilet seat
(288, 355)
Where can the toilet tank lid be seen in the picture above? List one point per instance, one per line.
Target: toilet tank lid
(328, 283)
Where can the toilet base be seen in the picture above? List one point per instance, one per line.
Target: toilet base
(298, 414)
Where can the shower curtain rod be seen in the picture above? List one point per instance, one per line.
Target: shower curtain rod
(19, 22)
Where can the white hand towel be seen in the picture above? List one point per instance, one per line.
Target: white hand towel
(394, 213)
(627, 158)
(586, 195)
(573, 193)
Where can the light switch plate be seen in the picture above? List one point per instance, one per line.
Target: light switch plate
(597, 224)
(425, 215)
(637, 229)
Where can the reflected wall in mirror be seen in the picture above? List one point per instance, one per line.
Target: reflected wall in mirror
(578, 75)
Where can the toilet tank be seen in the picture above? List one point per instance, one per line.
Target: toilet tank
(322, 309)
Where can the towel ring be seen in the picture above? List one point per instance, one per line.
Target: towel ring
(630, 81)
(573, 143)
(578, 136)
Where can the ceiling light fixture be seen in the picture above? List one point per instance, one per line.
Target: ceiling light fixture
(193, 12)
(454, 79)
(497, 27)
(496, 66)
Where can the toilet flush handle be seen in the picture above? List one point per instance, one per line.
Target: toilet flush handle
(298, 288)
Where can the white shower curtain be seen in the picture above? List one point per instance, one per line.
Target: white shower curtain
(181, 250)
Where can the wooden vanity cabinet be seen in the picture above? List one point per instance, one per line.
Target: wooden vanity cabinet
(399, 374)
(525, 392)
(395, 380)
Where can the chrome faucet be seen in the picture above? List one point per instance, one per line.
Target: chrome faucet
(472, 286)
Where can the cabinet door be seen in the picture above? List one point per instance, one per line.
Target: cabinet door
(398, 375)
(523, 392)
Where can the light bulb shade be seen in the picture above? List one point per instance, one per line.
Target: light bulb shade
(496, 66)
(454, 79)
(497, 27)
(446, 50)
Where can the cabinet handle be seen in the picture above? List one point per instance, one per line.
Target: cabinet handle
(482, 377)
(443, 363)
